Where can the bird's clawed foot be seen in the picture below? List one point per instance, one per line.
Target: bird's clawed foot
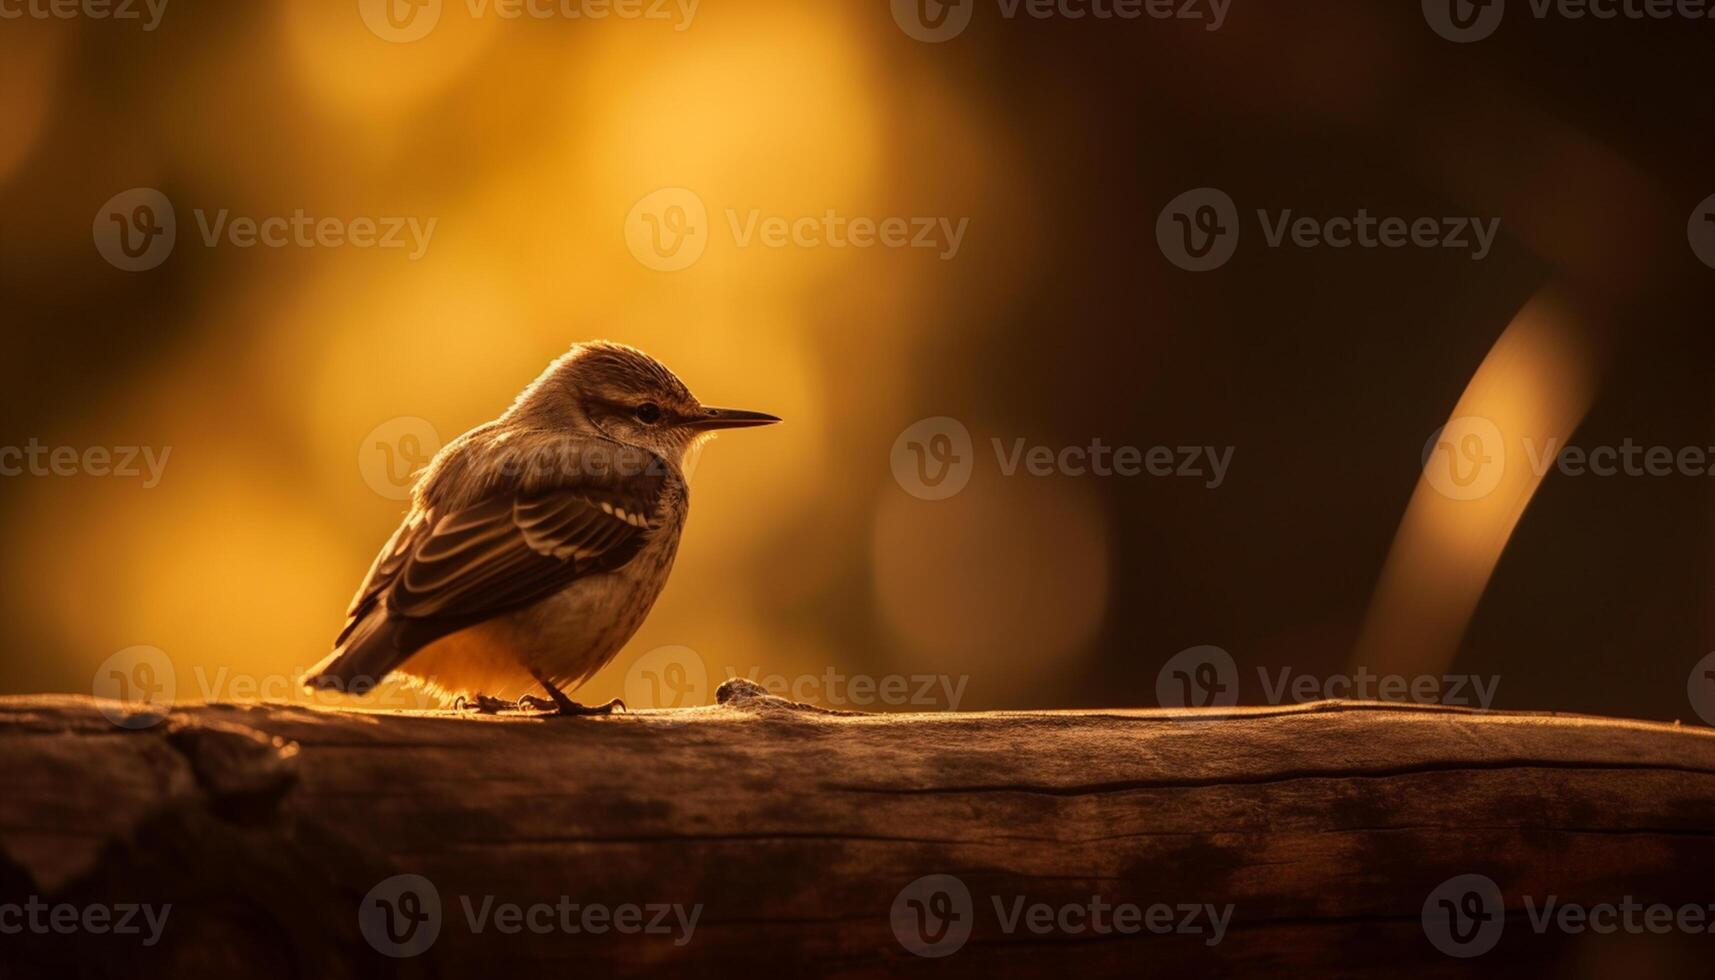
(482, 704)
(574, 708)
(564, 707)
(531, 702)
(560, 707)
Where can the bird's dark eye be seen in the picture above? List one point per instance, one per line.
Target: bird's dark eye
(649, 413)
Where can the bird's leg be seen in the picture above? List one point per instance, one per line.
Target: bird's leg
(482, 704)
(565, 707)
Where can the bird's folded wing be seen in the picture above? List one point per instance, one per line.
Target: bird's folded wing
(509, 551)
(506, 552)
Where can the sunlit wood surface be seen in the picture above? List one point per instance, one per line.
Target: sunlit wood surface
(1325, 825)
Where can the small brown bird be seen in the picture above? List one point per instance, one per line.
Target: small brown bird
(536, 543)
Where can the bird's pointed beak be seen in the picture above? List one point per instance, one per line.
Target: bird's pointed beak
(730, 418)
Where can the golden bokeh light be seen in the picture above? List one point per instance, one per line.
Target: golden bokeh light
(1480, 474)
(30, 57)
(353, 70)
(1016, 573)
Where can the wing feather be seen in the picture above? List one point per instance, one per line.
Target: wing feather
(442, 572)
(508, 552)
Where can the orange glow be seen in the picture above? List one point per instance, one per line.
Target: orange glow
(1528, 396)
(1017, 574)
(29, 58)
(288, 359)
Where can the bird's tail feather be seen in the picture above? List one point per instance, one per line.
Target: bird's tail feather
(361, 661)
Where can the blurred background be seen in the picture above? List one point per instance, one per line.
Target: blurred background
(292, 383)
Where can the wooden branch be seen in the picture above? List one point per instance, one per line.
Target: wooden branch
(794, 836)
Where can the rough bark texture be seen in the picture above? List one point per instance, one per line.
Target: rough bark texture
(795, 830)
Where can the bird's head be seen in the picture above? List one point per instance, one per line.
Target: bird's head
(625, 395)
